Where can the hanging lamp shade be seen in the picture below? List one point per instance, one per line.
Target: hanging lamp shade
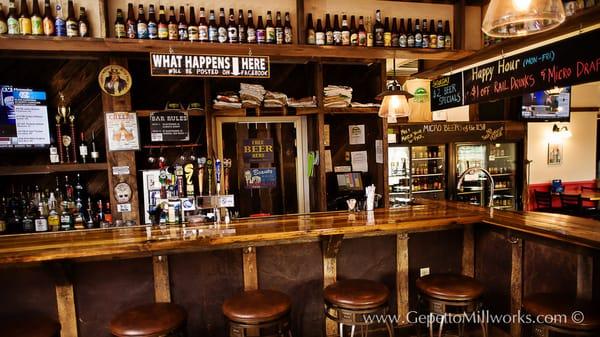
(394, 102)
(512, 18)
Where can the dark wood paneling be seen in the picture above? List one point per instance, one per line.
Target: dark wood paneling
(548, 269)
(27, 289)
(296, 270)
(104, 288)
(200, 282)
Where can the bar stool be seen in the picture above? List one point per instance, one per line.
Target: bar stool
(566, 306)
(29, 326)
(448, 296)
(350, 302)
(268, 310)
(150, 320)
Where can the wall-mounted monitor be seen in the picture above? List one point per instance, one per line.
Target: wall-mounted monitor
(553, 105)
(23, 118)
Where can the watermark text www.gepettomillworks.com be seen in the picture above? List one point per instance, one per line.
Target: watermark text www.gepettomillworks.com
(484, 316)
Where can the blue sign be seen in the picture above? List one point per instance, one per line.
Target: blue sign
(260, 177)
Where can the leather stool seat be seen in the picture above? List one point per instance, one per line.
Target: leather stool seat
(257, 306)
(29, 326)
(148, 320)
(562, 304)
(357, 294)
(450, 287)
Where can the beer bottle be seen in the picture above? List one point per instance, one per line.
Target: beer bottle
(387, 33)
(83, 23)
(37, 27)
(251, 30)
(425, 33)
(3, 24)
(202, 26)
(232, 33)
(152, 24)
(402, 43)
(24, 19)
(441, 37)
(182, 25)
(278, 29)
(48, 21)
(130, 25)
(345, 31)
(319, 34)
(362, 33)
(353, 32)
(270, 29)
(222, 30)
(119, 25)
(432, 35)
(447, 36)
(395, 35)
(242, 37)
(410, 38)
(60, 25)
(261, 32)
(418, 35)
(163, 27)
(193, 26)
(172, 26)
(328, 31)
(141, 24)
(71, 22)
(337, 31)
(287, 29)
(370, 41)
(378, 31)
(213, 30)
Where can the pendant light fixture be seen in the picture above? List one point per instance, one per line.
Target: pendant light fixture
(394, 100)
(512, 18)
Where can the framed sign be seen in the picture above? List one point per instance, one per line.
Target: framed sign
(258, 150)
(122, 131)
(233, 66)
(169, 126)
(555, 154)
(260, 177)
(114, 80)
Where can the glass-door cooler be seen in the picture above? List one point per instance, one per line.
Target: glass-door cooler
(502, 167)
(428, 171)
(473, 189)
(399, 175)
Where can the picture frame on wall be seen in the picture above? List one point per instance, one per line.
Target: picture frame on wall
(555, 154)
(122, 131)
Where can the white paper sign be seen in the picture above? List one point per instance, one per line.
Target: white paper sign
(379, 151)
(359, 161)
(326, 141)
(342, 169)
(356, 134)
(328, 162)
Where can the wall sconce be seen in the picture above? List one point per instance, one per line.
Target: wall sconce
(561, 132)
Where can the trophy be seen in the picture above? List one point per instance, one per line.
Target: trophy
(64, 113)
(226, 168)
(73, 138)
(66, 141)
(201, 162)
(59, 139)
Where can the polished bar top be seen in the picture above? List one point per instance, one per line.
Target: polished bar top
(147, 241)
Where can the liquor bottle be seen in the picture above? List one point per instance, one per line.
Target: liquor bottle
(395, 35)
(251, 30)
(387, 33)
(319, 34)
(441, 37)
(119, 25)
(69, 191)
(432, 35)
(71, 23)
(202, 26)
(370, 40)
(83, 149)
(279, 35)
(28, 222)
(66, 219)
(362, 33)
(172, 26)
(48, 21)
(353, 32)
(402, 35)
(53, 217)
(232, 33)
(108, 214)
(270, 30)
(182, 25)
(425, 34)
(83, 23)
(222, 29)
(3, 30)
(378, 30)
(36, 20)
(242, 36)
(410, 38)
(261, 32)
(12, 22)
(337, 31)
(193, 33)
(59, 23)
(328, 31)
(447, 36)
(288, 35)
(130, 25)
(152, 23)
(41, 221)
(58, 192)
(141, 24)
(100, 214)
(163, 27)
(418, 35)
(213, 30)
(24, 19)
(345, 34)
(91, 217)
(94, 154)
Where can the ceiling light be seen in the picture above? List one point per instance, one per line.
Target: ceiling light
(511, 18)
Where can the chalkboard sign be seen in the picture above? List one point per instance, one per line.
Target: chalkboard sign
(567, 62)
(233, 66)
(447, 92)
(441, 133)
(169, 126)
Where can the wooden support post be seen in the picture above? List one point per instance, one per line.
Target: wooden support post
(65, 300)
(330, 247)
(384, 126)
(460, 25)
(402, 276)
(162, 285)
(468, 254)
(585, 276)
(300, 23)
(322, 184)
(250, 269)
(211, 151)
(516, 283)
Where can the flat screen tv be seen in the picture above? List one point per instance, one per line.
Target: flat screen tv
(553, 105)
(23, 118)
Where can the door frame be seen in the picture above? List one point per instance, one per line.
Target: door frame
(299, 123)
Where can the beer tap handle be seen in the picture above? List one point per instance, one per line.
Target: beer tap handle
(201, 163)
(218, 176)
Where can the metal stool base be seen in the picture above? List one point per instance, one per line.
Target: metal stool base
(356, 317)
(280, 328)
(451, 309)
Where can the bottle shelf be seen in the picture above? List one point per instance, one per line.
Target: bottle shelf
(351, 110)
(191, 113)
(48, 169)
(427, 175)
(424, 159)
(427, 191)
(502, 174)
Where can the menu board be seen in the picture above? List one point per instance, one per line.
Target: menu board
(238, 66)
(440, 133)
(170, 126)
(447, 92)
(23, 118)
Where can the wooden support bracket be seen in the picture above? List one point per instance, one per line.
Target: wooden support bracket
(330, 247)
(516, 282)
(585, 276)
(162, 286)
(468, 254)
(250, 269)
(65, 298)
(402, 276)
